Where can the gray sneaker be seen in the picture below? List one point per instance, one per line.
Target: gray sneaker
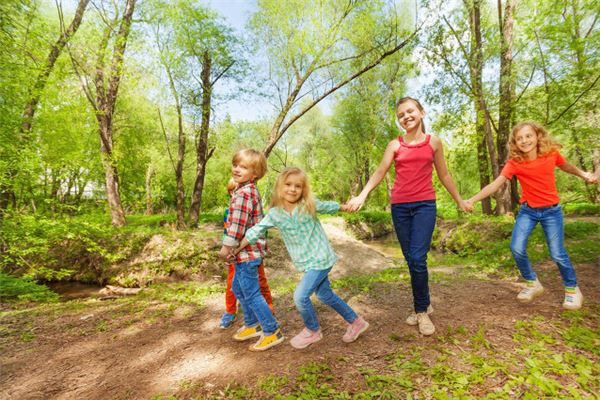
(426, 327)
(531, 290)
(412, 318)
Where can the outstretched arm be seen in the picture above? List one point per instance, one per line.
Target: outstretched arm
(357, 202)
(488, 190)
(586, 176)
(442, 172)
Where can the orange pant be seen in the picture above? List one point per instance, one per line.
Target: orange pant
(231, 300)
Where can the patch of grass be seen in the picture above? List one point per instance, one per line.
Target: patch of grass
(193, 293)
(580, 209)
(24, 290)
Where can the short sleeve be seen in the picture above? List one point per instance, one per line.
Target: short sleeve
(509, 170)
(559, 159)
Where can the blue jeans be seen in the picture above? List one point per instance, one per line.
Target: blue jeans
(551, 219)
(317, 281)
(246, 289)
(414, 223)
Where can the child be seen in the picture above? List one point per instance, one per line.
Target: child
(248, 166)
(533, 156)
(294, 211)
(230, 300)
(414, 155)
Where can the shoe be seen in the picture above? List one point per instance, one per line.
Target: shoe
(412, 318)
(305, 338)
(227, 320)
(426, 327)
(266, 342)
(247, 332)
(573, 298)
(355, 329)
(531, 290)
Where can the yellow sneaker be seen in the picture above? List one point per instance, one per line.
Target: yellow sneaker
(266, 342)
(247, 332)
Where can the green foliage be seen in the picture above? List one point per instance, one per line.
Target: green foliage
(24, 290)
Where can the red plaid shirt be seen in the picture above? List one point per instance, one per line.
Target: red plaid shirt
(245, 211)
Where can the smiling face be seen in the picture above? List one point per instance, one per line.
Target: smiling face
(409, 115)
(242, 172)
(291, 189)
(526, 140)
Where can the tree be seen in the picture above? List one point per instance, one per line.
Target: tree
(314, 48)
(103, 97)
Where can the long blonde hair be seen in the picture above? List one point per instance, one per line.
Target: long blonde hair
(545, 144)
(307, 200)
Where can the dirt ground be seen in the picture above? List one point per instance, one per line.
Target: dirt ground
(190, 354)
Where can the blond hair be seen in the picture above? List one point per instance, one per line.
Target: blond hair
(255, 160)
(307, 199)
(545, 144)
(231, 185)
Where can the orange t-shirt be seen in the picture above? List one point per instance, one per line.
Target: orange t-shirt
(536, 178)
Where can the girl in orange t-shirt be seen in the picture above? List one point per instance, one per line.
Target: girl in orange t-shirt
(533, 158)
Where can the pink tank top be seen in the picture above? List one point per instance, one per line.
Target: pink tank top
(414, 166)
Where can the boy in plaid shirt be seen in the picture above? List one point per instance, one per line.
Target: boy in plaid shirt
(249, 165)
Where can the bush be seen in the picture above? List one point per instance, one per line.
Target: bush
(581, 209)
(24, 289)
(369, 224)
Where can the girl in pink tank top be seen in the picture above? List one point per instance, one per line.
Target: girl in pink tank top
(413, 199)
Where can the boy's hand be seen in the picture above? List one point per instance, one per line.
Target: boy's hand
(225, 253)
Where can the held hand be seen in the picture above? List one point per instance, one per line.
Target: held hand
(225, 253)
(590, 177)
(354, 204)
(344, 207)
(467, 206)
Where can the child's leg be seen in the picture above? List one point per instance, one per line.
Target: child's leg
(327, 296)
(307, 286)
(264, 286)
(245, 288)
(414, 224)
(524, 224)
(553, 225)
(230, 299)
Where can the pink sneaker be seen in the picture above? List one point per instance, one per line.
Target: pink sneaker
(355, 329)
(305, 338)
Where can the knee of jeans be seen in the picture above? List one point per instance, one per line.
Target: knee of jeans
(558, 253)
(301, 299)
(518, 250)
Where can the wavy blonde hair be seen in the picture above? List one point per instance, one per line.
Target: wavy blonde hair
(545, 144)
(307, 200)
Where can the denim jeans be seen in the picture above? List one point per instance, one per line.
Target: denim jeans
(317, 281)
(551, 219)
(246, 288)
(414, 223)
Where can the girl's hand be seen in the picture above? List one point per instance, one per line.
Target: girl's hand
(590, 177)
(354, 204)
(467, 206)
(464, 206)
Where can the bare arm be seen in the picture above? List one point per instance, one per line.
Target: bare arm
(357, 202)
(442, 172)
(488, 190)
(586, 176)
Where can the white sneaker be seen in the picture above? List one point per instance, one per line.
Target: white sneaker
(412, 318)
(531, 290)
(573, 299)
(425, 325)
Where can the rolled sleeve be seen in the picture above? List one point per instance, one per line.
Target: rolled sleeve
(327, 207)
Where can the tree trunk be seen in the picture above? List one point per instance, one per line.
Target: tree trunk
(482, 117)
(111, 175)
(149, 174)
(42, 78)
(503, 202)
(202, 154)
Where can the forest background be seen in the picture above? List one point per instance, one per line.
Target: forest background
(114, 109)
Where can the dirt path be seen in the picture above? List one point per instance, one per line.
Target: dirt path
(190, 354)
